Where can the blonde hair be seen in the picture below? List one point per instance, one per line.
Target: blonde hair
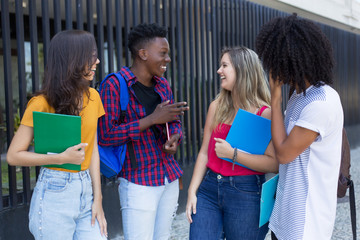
(251, 87)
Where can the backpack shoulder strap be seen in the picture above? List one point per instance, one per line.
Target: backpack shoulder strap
(124, 92)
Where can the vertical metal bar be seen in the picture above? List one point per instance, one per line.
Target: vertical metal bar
(237, 23)
(157, 11)
(35, 75)
(68, 15)
(8, 95)
(242, 25)
(179, 51)
(179, 69)
(164, 4)
(57, 16)
(79, 15)
(203, 69)
(150, 11)
(254, 22)
(135, 8)
(100, 37)
(20, 55)
(228, 22)
(232, 21)
(185, 14)
(223, 23)
(34, 46)
(127, 29)
(198, 74)
(22, 84)
(90, 16)
(216, 50)
(172, 47)
(142, 11)
(110, 39)
(45, 28)
(192, 99)
(209, 56)
(246, 23)
(119, 38)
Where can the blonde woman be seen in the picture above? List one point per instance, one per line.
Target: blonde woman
(224, 201)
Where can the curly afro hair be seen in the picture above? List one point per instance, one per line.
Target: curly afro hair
(142, 34)
(295, 50)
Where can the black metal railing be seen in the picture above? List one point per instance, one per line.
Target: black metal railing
(198, 30)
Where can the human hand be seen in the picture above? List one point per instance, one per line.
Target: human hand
(170, 145)
(275, 88)
(223, 149)
(165, 112)
(191, 206)
(74, 154)
(98, 213)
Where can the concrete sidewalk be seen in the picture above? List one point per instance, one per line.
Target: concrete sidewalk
(342, 230)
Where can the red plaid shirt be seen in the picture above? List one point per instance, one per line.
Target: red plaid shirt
(152, 163)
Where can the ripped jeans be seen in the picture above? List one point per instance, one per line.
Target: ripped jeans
(147, 212)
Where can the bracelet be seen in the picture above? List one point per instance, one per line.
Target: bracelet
(234, 158)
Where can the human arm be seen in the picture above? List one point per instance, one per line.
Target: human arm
(200, 165)
(287, 147)
(97, 209)
(260, 163)
(18, 154)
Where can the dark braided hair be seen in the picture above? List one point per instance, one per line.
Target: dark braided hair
(142, 34)
(295, 50)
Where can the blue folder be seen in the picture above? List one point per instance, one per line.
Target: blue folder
(267, 200)
(249, 133)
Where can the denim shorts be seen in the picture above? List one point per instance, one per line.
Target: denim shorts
(61, 206)
(228, 207)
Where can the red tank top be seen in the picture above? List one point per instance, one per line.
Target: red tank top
(219, 165)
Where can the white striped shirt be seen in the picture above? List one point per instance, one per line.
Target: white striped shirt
(305, 205)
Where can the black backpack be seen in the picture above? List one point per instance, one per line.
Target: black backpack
(345, 182)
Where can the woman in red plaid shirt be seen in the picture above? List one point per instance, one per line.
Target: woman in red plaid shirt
(148, 192)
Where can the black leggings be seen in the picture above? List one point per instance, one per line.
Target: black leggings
(273, 237)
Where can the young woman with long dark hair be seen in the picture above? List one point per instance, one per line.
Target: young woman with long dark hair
(66, 204)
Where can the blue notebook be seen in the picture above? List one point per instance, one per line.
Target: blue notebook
(267, 200)
(249, 133)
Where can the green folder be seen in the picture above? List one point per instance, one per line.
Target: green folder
(54, 133)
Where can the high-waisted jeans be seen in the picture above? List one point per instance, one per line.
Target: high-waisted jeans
(61, 206)
(228, 207)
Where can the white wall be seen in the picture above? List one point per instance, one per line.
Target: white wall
(344, 14)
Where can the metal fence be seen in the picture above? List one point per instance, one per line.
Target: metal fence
(198, 30)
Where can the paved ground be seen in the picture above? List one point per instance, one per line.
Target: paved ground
(342, 230)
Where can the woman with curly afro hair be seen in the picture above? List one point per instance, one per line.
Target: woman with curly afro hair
(308, 142)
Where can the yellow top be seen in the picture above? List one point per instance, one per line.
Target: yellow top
(92, 110)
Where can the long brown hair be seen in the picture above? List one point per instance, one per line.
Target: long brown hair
(251, 87)
(70, 57)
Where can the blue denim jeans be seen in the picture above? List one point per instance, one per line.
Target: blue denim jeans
(61, 206)
(147, 212)
(228, 207)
